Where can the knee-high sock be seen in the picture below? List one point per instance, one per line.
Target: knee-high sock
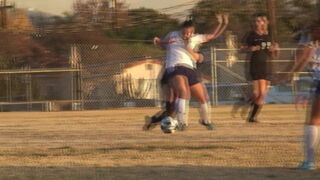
(255, 111)
(181, 110)
(311, 138)
(186, 115)
(205, 114)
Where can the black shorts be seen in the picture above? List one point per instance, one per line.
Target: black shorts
(260, 70)
(260, 75)
(191, 74)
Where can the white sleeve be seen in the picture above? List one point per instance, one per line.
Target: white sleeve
(196, 41)
(200, 38)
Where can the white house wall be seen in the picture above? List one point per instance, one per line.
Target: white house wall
(146, 73)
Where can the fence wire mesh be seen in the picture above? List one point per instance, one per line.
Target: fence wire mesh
(97, 58)
(100, 77)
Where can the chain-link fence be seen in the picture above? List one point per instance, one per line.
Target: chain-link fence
(96, 77)
(231, 81)
(126, 78)
(86, 60)
(38, 89)
(100, 77)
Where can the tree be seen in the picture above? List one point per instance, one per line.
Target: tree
(19, 21)
(100, 13)
(144, 24)
(241, 15)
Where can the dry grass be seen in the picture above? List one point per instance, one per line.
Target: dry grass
(110, 145)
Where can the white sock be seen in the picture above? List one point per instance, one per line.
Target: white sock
(181, 110)
(186, 115)
(311, 138)
(205, 113)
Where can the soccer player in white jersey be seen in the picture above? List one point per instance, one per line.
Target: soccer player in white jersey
(181, 63)
(311, 56)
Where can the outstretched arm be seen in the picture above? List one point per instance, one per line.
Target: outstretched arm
(162, 43)
(223, 21)
(301, 63)
(303, 60)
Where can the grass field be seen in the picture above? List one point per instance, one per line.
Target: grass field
(111, 145)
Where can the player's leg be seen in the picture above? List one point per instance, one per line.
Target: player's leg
(254, 106)
(260, 91)
(263, 91)
(180, 85)
(151, 122)
(311, 135)
(199, 92)
(186, 115)
(168, 94)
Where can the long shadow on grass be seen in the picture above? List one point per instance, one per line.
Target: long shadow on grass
(154, 173)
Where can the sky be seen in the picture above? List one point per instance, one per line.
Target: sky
(57, 7)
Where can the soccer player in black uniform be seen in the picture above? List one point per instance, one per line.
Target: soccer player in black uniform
(261, 48)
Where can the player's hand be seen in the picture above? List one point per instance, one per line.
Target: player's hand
(226, 18)
(254, 48)
(219, 18)
(274, 47)
(156, 41)
(201, 58)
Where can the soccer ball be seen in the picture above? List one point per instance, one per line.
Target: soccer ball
(169, 124)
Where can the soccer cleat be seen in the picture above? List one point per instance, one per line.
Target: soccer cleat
(253, 120)
(148, 124)
(305, 165)
(210, 126)
(182, 127)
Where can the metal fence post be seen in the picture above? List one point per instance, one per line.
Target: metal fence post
(214, 89)
(9, 88)
(293, 83)
(215, 76)
(212, 76)
(80, 89)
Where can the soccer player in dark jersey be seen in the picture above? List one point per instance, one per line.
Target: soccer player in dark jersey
(261, 49)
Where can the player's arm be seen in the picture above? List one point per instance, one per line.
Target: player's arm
(198, 57)
(162, 43)
(302, 61)
(223, 21)
(250, 48)
(274, 50)
(248, 44)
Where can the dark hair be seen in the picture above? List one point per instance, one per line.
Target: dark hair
(260, 15)
(187, 24)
